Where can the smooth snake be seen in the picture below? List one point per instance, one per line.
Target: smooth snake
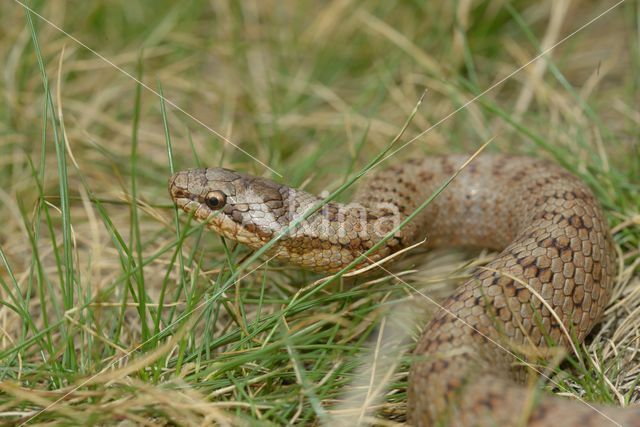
(556, 254)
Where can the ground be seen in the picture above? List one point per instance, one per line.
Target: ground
(116, 310)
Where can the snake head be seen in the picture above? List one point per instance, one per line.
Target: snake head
(242, 207)
(253, 210)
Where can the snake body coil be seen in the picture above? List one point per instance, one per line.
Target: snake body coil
(551, 279)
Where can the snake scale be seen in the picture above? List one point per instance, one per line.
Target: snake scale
(552, 278)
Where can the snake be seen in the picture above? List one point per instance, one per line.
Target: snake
(546, 289)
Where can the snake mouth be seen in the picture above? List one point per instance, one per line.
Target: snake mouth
(178, 194)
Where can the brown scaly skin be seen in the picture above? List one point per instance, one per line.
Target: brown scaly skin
(553, 237)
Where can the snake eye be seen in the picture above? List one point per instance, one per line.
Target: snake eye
(215, 200)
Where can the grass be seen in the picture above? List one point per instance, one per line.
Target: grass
(115, 307)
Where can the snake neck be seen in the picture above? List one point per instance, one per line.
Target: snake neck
(338, 233)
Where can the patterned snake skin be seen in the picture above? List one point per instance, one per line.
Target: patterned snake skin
(557, 255)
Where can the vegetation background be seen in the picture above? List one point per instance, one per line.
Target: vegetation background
(115, 310)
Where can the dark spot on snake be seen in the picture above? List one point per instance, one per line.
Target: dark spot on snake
(576, 221)
(521, 290)
(546, 243)
(425, 176)
(263, 234)
(561, 242)
(518, 177)
(441, 321)
(526, 261)
(544, 274)
(504, 313)
(561, 221)
(531, 271)
(548, 216)
(237, 216)
(274, 204)
(566, 254)
(447, 168)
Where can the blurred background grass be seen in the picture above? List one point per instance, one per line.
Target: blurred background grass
(93, 284)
